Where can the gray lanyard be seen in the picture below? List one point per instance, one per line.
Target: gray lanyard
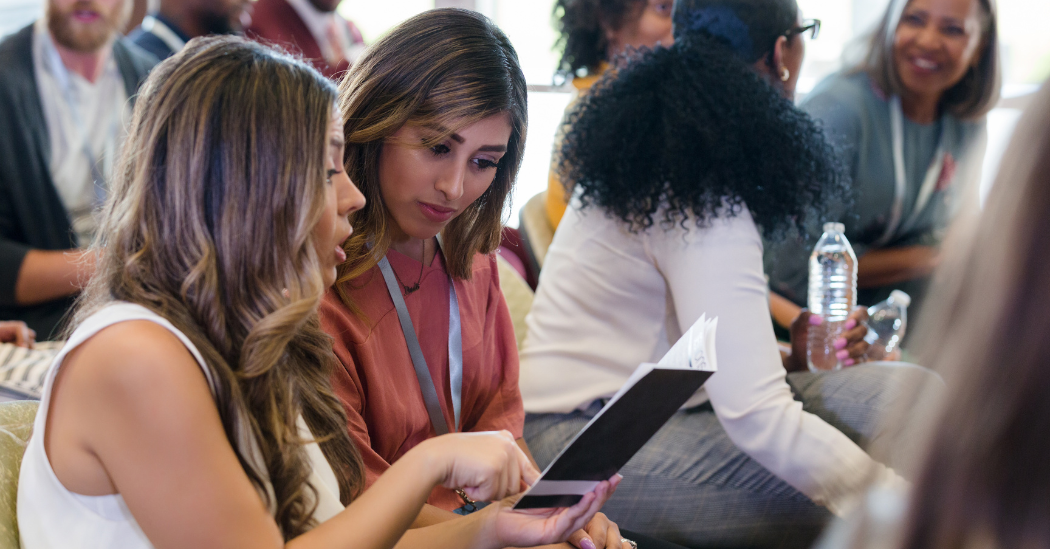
(933, 175)
(455, 351)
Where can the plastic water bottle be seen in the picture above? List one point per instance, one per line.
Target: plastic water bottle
(886, 324)
(832, 295)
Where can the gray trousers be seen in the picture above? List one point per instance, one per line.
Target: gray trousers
(692, 486)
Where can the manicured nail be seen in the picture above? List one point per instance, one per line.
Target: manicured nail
(848, 362)
(840, 343)
(850, 324)
(842, 355)
(815, 320)
(587, 544)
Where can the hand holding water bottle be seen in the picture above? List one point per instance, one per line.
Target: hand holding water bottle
(851, 347)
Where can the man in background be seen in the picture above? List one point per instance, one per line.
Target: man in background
(311, 28)
(177, 21)
(65, 85)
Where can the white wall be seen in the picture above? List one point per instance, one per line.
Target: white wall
(15, 14)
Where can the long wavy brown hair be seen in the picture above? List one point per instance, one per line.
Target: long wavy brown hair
(983, 475)
(209, 225)
(986, 479)
(444, 69)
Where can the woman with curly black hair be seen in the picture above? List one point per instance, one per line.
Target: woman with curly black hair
(591, 32)
(681, 161)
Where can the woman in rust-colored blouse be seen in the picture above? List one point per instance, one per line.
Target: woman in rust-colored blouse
(434, 144)
(435, 131)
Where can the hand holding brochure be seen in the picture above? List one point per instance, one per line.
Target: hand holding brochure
(652, 394)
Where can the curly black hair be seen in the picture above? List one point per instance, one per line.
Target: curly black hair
(581, 28)
(675, 133)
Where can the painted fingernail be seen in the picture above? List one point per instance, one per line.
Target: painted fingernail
(840, 343)
(815, 320)
(848, 362)
(850, 324)
(842, 355)
(587, 544)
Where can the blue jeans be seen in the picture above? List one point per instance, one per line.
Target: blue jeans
(692, 486)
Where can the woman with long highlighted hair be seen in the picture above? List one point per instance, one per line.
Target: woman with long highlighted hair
(192, 404)
(435, 119)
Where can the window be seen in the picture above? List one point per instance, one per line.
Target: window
(375, 18)
(15, 14)
(1025, 50)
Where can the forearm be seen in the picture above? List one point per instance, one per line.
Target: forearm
(380, 516)
(430, 515)
(892, 265)
(471, 531)
(48, 275)
(784, 312)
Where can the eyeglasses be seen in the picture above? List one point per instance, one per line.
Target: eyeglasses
(812, 26)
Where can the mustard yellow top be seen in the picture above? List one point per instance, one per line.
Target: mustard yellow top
(557, 200)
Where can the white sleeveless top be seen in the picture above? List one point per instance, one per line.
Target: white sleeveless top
(52, 517)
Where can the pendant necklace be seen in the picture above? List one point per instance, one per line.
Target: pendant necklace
(414, 287)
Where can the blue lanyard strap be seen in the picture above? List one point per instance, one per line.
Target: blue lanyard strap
(419, 363)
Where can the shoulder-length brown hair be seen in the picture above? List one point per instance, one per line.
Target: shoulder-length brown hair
(444, 69)
(986, 478)
(209, 224)
(973, 96)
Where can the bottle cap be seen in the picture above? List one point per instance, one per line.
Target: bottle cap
(899, 296)
(834, 227)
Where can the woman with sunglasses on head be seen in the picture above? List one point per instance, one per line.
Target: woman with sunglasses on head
(192, 404)
(908, 123)
(681, 159)
(435, 118)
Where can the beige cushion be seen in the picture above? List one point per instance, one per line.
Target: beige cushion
(517, 294)
(16, 424)
(533, 221)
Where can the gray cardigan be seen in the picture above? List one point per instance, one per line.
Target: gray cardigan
(32, 215)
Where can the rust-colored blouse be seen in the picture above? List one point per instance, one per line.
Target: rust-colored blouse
(375, 379)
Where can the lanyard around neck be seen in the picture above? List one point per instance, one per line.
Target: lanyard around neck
(419, 363)
(157, 28)
(933, 175)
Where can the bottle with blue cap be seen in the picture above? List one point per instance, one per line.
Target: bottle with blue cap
(832, 295)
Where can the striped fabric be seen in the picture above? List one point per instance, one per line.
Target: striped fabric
(22, 370)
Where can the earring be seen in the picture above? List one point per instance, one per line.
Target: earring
(784, 74)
